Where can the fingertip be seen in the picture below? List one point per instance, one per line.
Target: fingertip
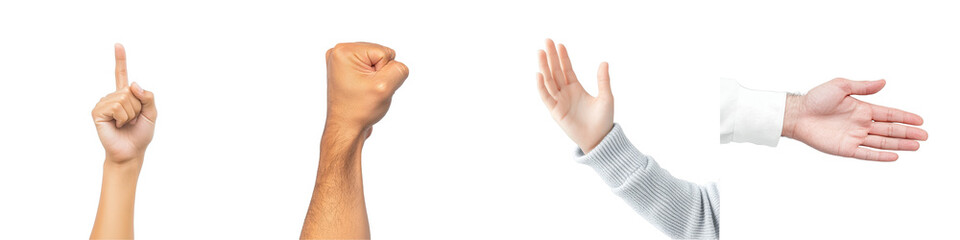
(888, 156)
(551, 44)
(604, 70)
(911, 145)
(923, 135)
(119, 50)
(881, 83)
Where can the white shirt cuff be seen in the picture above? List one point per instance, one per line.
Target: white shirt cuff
(759, 116)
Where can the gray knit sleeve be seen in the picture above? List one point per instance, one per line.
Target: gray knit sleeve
(679, 208)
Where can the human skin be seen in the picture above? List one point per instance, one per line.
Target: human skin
(829, 119)
(125, 121)
(584, 118)
(361, 81)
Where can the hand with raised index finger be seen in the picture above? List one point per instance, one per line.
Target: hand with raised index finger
(125, 119)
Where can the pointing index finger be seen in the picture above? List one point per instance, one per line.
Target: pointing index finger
(121, 69)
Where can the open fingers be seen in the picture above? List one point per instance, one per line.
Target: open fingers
(566, 65)
(544, 95)
(859, 87)
(886, 114)
(554, 60)
(549, 81)
(603, 80)
(867, 154)
(121, 69)
(888, 143)
(897, 131)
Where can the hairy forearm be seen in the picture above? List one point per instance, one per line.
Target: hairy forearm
(337, 209)
(115, 213)
(791, 115)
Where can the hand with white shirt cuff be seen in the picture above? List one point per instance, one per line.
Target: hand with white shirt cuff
(830, 120)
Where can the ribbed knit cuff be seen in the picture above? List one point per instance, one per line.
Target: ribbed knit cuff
(615, 158)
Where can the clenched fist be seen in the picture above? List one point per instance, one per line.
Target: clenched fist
(125, 118)
(361, 80)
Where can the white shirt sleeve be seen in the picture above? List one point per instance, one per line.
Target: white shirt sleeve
(748, 115)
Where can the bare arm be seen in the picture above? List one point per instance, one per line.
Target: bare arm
(125, 122)
(361, 81)
(337, 208)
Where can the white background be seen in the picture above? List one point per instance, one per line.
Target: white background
(467, 150)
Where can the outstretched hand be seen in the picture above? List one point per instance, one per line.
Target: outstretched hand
(125, 118)
(586, 119)
(830, 120)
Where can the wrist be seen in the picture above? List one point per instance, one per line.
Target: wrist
(126, 165)
(791, 115)
(342, 138)
(344, 129)
(587, 146)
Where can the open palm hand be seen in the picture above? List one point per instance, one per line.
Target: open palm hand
(830, 120)
(586, 119)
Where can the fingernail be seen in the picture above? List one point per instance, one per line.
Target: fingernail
(137, 88)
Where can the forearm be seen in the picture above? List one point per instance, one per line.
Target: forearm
(115, 213)
(337, 209)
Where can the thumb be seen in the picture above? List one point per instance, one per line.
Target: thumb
(393, 73)
(603, 80)
(860, 87)
(148, 109)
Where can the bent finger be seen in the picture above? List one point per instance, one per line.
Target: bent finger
(119, 114)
